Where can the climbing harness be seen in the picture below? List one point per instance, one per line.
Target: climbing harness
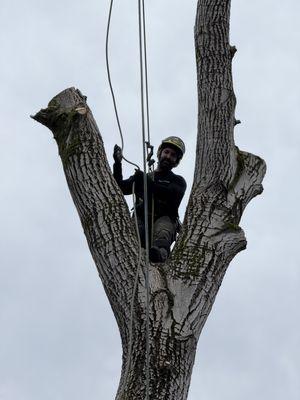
(147, 161)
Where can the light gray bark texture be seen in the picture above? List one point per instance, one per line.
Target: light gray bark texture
(183, 290)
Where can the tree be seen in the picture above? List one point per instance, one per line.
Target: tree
(183, 290)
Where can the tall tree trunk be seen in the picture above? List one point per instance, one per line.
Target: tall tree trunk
(183, 290)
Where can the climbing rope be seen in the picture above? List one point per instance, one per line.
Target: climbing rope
(144, 82)
(147, 154)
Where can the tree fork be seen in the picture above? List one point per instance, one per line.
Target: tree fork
(182, 290)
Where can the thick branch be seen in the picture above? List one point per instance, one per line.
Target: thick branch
(217, 198)
(100, 204)
(216, 100)
(225, 180)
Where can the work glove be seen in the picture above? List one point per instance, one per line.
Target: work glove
(117, 155)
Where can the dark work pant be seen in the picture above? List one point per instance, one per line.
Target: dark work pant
(164, 232)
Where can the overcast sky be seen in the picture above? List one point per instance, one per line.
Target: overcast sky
(59, 340)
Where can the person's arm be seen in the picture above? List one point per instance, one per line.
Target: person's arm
(124, 184)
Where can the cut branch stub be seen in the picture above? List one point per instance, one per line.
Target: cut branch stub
(62, 117)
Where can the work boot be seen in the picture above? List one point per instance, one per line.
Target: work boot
(158, 254)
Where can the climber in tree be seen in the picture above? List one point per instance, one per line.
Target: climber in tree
(165, 192)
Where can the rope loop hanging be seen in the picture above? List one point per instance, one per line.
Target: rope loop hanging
(111, 86)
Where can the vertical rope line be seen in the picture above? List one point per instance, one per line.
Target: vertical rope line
(145, 200)
(150, 169)
(146, 72)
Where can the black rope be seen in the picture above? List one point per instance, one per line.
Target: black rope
(146, 72)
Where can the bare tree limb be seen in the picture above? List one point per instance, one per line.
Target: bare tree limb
(100, 204)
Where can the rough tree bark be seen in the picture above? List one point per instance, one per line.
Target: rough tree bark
(183, 290)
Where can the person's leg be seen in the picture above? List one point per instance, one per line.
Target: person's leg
(164, 231)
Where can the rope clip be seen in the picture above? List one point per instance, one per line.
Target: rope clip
(150, 153)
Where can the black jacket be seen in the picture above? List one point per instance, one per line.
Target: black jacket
(167, 191)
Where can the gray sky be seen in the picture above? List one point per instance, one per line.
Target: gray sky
(59, 339)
